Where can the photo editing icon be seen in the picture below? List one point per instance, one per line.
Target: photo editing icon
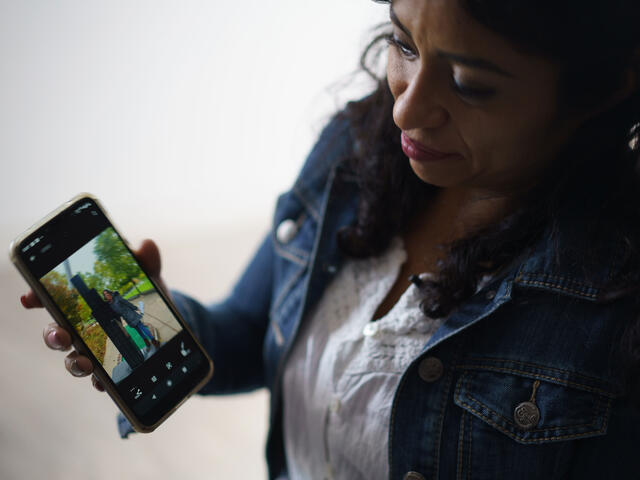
(138, 392)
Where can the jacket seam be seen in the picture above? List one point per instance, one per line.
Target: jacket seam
(470, 447)
(535, 440)
(535, 365)
(594, 416)
(554, 282)
(443, 402)
(556, 277)
(515, 436)
(285, 290)
(497, 303)
(538, 283)
(290, 255)
(460, 445)
(307, 204)
(538, 375)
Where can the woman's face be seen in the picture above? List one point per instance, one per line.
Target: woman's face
(460, 88)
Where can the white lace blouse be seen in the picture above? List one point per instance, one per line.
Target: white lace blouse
(343, 370)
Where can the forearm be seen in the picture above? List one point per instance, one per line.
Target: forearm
(232, 331)
(233, 342)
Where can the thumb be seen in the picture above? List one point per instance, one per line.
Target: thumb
(149, 256)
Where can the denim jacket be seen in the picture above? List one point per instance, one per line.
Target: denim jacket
(520, 382)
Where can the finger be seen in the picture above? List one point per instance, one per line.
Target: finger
(96, 383)
(77, 365)
(30, 300)
(56, 338)
(149, 256)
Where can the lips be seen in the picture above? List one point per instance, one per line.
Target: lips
(417, 151)
(420, 147)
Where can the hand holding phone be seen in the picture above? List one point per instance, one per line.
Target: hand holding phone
(81, 270)
(57, 338)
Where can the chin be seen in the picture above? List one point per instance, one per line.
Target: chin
(438, 177)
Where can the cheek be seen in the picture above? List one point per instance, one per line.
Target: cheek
(482, 135)
(392, 76)
(506, 149)
(397, 76)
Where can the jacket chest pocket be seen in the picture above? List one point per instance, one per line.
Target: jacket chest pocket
(520, 421)
(292, 234)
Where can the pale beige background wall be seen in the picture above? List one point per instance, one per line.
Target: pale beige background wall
(171, 112)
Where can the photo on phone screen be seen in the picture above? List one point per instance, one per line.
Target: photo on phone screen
(86, 275)
(111, 303)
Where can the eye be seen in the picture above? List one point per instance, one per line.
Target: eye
(465, 92)
(474, 93)
(404, 49)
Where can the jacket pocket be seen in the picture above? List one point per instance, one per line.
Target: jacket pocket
(521, 419)
(293, 233)
(533, 410)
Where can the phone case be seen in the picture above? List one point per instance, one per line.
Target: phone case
(78, 343)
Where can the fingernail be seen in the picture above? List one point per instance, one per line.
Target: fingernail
(75, 368)
(54, 340)
(97, 384)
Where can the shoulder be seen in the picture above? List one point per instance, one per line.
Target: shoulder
(334, 143)
(582, 256)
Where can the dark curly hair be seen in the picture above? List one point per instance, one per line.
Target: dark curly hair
(594, 44)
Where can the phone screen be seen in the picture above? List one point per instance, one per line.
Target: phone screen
(116, 309)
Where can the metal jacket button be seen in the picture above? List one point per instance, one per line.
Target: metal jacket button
(286, 230)
(526, 415)
(430, 369)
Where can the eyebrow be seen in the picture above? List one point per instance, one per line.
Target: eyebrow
(473, 62)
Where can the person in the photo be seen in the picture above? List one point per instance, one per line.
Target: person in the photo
(131, 314)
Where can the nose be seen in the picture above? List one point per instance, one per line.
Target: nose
(417, 105)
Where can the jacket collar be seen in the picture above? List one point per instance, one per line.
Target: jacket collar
(555, 263)
(577, 257)
(334, 144)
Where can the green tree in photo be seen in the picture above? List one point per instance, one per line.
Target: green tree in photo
(94, 281)
(115, 265)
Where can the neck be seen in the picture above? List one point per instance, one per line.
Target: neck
(457, 211)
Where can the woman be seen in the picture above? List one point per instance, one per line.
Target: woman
(131, 314)
(449, 289)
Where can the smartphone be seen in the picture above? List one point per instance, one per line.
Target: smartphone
(84, 273)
